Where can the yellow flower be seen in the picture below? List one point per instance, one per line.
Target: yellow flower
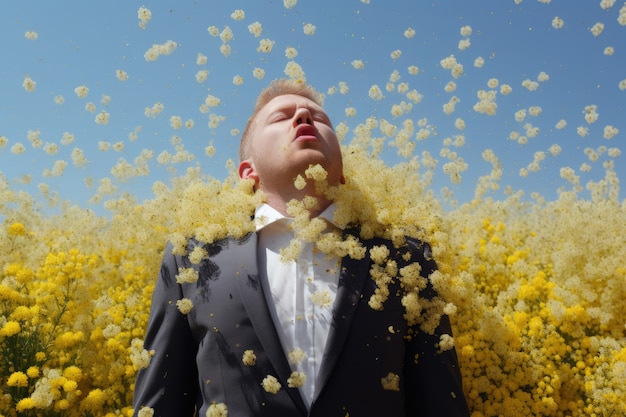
(18, 379)
(16, 229)
(25, 404)
(73, 373)
(32, 372)
(10, 328)
(94, 400)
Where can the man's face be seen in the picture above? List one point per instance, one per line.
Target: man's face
(289, 134)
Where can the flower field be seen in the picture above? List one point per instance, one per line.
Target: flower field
(99, 170)
(536, 292)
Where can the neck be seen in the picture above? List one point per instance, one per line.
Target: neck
(280, 201)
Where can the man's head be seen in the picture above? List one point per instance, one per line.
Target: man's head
(276, 88)
(288, 132)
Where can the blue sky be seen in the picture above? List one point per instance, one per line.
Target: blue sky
(86, 42)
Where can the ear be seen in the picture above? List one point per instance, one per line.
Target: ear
(342, 180)
(247, 171)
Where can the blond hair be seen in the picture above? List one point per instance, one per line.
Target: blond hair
(276, 88)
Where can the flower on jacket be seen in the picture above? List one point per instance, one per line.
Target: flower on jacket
(296, 379)
(391, 382)
(249, 358)
(270, 384)
(184, 305)
(217, 410)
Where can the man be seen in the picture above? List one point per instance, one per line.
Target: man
(283, 334)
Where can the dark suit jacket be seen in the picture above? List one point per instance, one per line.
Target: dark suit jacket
(198, 357)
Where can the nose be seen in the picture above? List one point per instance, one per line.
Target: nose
(302, 115)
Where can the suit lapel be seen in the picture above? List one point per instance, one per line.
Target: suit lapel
(351, 280)
(259, 314)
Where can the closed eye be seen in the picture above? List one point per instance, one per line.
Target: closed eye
(322, 118)
(277, 117)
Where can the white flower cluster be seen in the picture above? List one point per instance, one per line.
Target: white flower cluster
(309, 29)
(557, 22)
(217, 410)
(29, 84)
(270, 384)
(450, 63)
(81, 91)
(144, 15)
(357, 64)
(265, 45)
(184, 305)
(291, 52)
(465, 43)
(157, 50)
(294, 71)
(155, 110)
(597, 29)
(258, 73)
(255, 29)
(238, 15)
(375, 93)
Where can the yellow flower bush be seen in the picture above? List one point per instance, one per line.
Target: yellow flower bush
(535, 290)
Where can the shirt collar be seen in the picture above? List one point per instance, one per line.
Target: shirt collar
(266, 214)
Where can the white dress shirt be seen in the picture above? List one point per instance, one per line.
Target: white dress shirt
(300, 293)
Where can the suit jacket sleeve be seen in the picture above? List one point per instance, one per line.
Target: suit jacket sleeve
(433, 377)
(169, 384)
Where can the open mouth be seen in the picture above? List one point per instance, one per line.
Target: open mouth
(305, 132)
